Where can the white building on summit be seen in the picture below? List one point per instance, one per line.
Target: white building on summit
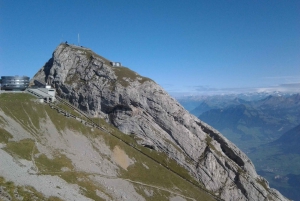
(116, 64)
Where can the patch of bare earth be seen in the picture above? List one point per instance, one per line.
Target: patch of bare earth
(121, 158)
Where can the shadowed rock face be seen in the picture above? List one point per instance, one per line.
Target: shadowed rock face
(137, 105)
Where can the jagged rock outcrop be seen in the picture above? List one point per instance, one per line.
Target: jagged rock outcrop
(137, 105)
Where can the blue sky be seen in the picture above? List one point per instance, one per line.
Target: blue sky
(185, 46)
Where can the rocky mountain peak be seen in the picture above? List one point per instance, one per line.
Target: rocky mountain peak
(137, 106)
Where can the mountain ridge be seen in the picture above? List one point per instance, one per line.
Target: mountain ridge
(292, 137)
(138, 106)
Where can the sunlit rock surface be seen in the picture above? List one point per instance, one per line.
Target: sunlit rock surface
(138, 106)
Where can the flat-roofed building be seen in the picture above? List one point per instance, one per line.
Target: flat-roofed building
(46, 94)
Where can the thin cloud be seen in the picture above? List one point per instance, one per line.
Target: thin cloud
(289, 79)
(206, 90)
(292, 85)
(288, 88)
(281, 77)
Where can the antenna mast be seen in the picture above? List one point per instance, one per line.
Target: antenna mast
(78, 40)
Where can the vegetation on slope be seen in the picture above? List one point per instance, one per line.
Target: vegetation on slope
(145, 174)
(125, 75)
(25, 193)
(87, 52)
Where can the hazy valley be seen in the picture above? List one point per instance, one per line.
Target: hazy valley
(265, 126)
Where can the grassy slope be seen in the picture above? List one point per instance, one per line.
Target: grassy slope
(27, 193)
(20, 107)
(123, 73)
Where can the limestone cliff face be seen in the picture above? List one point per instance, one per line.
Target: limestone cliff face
(138, 106)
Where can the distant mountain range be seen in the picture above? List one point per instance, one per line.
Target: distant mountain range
(251, 123)
(216, 104)
(267, 129)
(191, 103)
(290, 141)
